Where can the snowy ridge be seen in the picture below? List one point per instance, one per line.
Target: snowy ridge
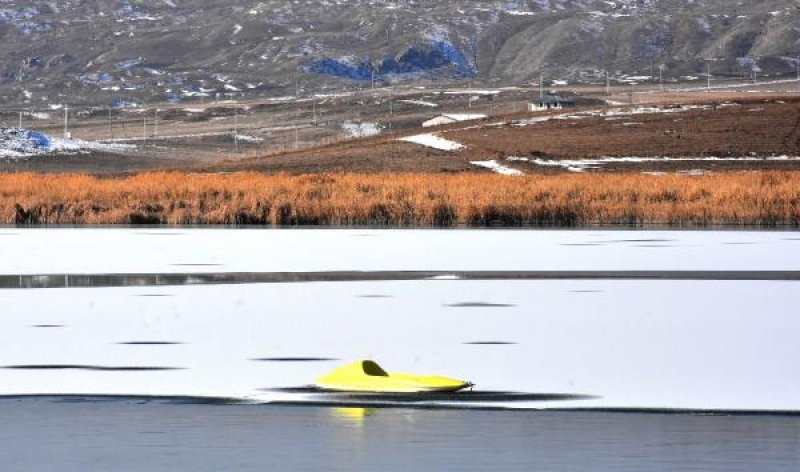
(358, 40)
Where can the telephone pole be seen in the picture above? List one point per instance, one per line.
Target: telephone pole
(66, 121)
(314, 111)
(797, 67)
(236, 129)
(541, 85)
(391, 106)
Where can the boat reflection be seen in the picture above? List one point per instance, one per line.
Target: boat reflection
(352, 415)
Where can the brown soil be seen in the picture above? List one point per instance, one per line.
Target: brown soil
(747, 129)
(200, 138)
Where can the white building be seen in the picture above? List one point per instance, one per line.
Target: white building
(550, 102)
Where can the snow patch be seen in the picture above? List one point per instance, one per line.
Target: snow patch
(361, 130)
(246, 138)
(419, 102)
(581, 165)
(19, 143)
(433, 141)
(494, 166)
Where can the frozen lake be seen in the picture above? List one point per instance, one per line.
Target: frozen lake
(652, 320)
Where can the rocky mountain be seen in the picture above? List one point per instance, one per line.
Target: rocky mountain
(130, 51)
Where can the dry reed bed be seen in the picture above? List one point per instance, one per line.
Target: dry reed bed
(754, 198)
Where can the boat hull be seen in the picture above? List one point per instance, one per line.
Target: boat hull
(367, 376)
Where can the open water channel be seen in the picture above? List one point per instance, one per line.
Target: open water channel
(590, 350)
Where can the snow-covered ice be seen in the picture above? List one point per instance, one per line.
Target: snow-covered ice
(646, 344)
(93, 251)
(702, 344)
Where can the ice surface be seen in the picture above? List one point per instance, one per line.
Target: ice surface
(709, 345)
(647, 344)
(99, 251)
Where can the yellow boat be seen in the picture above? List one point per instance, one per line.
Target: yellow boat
(368, 376)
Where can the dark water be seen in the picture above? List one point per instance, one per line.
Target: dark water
(41, 281)
(136, 435)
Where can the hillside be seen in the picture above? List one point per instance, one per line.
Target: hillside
(133, 51)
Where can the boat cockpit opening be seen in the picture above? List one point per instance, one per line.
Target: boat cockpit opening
(373, 369)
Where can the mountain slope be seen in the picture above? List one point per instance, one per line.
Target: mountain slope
(149, 50)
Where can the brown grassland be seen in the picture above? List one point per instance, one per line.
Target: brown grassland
(770, 198)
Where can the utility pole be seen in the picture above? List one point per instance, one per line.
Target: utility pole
(541, 85)
(608, 85)
(797, 67)
(391, 106)
(110, 125)
(708, 73)
(475, 48)
(66, 121)
(660, 77)
(469, 95)
(314, 108)
(236, 129)
(20, 119)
